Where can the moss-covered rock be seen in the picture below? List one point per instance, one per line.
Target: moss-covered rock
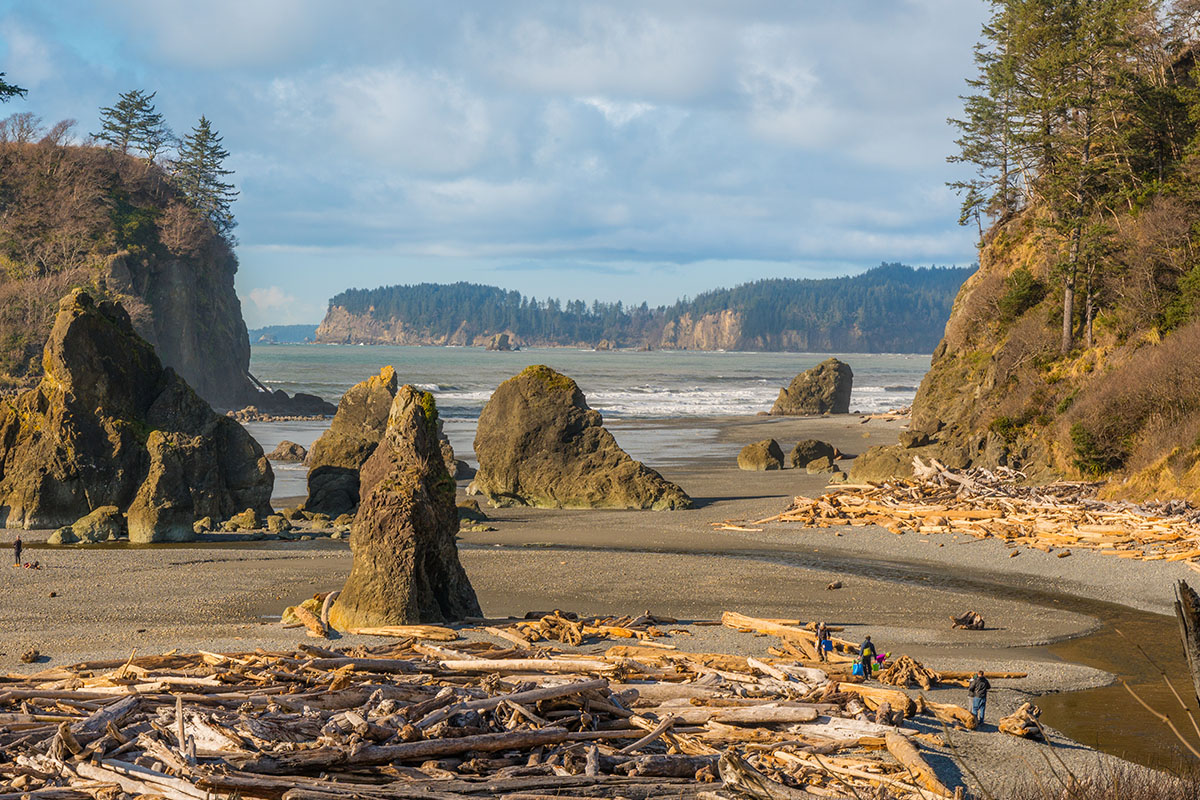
(406, 568)
(824, 389)
(539, 444)
(110, 426)
(761, 456)
(809, 450)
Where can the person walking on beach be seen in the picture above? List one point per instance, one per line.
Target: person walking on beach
(977, 690)
(822, 641)
(17, 551)
(866, 655)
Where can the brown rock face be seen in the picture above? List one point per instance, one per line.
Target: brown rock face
(109, 425)
(539, 444)
(288, 451)
(824, 389)
(761, 456)
(335, 458)
(406, 568)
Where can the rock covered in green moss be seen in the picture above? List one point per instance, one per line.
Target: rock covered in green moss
(108, 425)
(809, 450)
(335, 459)
(761, 456)
(539, 444)
(824, 389)
(406, 568)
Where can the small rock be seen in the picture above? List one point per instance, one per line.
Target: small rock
(469, 510)
(834, 585)
(64, 535)
(837, 476)
(203, 525)
(277, 523)
(30, 656)
(344, 520)
(819, 465)
(336, 535)
(248, 520)
(288, 451)
(54, 594)
(321, 524)
(293, 514)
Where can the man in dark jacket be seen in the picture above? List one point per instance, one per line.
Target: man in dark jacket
(866, 655)
(977, 691)
(17, 551)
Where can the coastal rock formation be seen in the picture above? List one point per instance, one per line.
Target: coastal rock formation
(539, 444)
(810, 450)
(406, 568)
(335, 458)
(288, 451)
(760, 456)
(105, 524)
(110, 426)
(500, 342)
(824, 389)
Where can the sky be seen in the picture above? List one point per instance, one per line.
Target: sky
(610, 149)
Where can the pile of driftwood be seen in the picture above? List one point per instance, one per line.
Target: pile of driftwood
(413, 719)
(1055, 518)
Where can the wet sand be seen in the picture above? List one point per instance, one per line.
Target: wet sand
(901, 590)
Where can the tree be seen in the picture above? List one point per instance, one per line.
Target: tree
(8, 90)
(134, 124)
(199, 173)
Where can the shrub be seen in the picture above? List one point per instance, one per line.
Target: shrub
(1095, 455)
(1022, 292)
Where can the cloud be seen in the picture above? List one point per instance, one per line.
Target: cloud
(27, 54)
(270, 298)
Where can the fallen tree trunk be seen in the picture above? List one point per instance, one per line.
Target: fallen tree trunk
(1187, 610)
(907, 754)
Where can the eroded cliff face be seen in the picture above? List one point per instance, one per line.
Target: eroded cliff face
(192, 315)
(721, 330)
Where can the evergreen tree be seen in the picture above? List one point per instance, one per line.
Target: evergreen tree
(8, 90)
(199, 173)
(134, 124)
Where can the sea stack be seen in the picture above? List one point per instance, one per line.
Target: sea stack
(539, 444)
(406, 568)
(824, 389)
(353, 435)
(108, 425)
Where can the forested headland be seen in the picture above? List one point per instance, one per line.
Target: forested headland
(891, 308)
(1075, 349)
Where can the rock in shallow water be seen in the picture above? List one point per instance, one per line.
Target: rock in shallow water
(539, 444)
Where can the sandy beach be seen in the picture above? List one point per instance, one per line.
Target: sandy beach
(111, 600)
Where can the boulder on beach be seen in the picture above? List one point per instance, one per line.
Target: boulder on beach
(288, 451)
(819, 465)
(824, 389)
(104, 524)
(761, 456)
(353, 435)
(810, 450)
(108, 425)
(406, 568)
(539, 444)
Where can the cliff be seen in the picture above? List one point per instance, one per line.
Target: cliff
(892, 308)
(1122, 406)
(88, 217)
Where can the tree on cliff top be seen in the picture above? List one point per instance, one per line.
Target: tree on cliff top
(8, 90)
(134, 124)
(199, 172)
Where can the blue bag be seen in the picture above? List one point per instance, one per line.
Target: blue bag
(826, 644)
(857, 669)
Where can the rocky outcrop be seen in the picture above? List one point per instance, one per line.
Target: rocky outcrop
(288, 451)
(501, 342)
(824, 389)
(809, 450)
(406, 568)
(353, 435)
(761, 456)
(109, 425)
(105, 524)
(538, 444)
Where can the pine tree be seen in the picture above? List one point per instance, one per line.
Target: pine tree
(134, 124)
(199, 173)
(8, 90)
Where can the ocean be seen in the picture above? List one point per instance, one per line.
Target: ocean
(625, 386)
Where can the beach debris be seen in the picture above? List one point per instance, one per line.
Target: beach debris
(969, 620)
(887, 416)
(833, 585)
(31, 656)
(406, 569)
(407, 719)
(1187, 611)
(997, 504)
(905, 671)
(1023, 722)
